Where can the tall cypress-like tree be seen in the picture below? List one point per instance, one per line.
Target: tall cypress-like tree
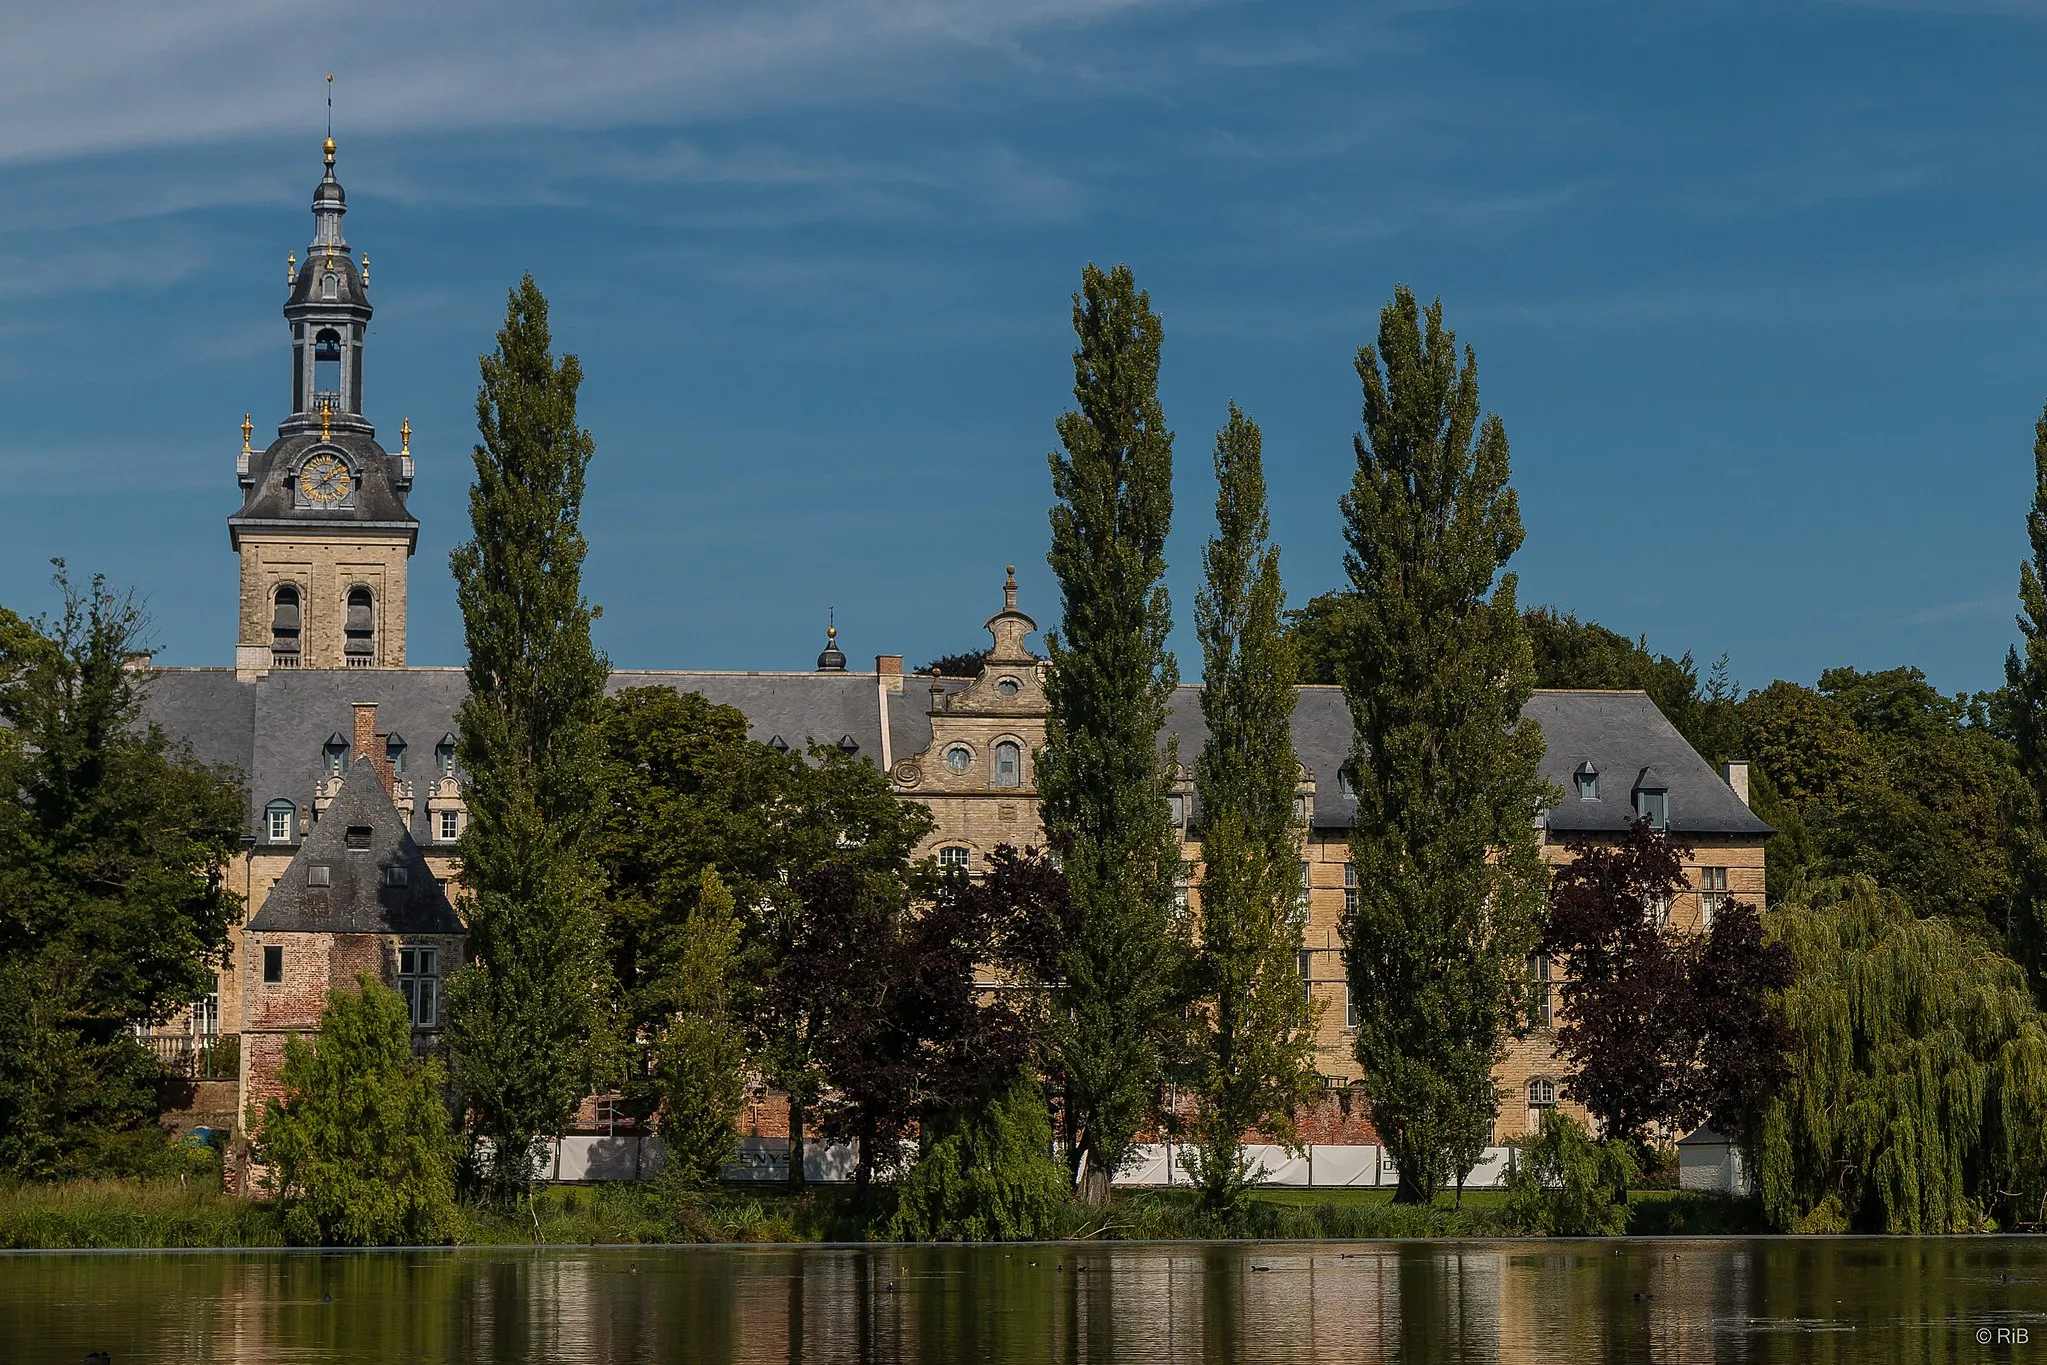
(1255, 1044)
(1102, 780)
(2025, 686)
(525, 1017)
(1450, 882)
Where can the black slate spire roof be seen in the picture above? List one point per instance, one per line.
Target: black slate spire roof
(360, 840)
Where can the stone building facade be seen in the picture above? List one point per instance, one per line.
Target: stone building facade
(333, 732)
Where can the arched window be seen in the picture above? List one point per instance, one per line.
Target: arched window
(1008, 764)
(284, 627)
(328, 287)
(277, 821)
(1542, 1094)
(359, 629)
(326, 366)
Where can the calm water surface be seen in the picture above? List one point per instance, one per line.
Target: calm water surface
(1740, 1300)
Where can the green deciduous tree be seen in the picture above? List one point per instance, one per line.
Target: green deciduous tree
(1102, 780)
(361, 1151)
(1569, 1184)
(986, 1174)
(1254, 1044)
(1918, 1095)
(526, 1018)
(1450, 883)
(2024, 711)
(113, 911)
(698, 1061)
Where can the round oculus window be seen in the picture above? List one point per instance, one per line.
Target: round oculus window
(1008, 687)
(959, 757)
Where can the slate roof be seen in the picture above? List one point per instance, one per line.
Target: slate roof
(379, 498)
(272, 730)
(358, 839)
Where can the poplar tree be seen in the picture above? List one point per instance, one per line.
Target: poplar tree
(1255, 1044)
(1450, 882)
(524, 1018)
(1102, 780)
(2025, 700)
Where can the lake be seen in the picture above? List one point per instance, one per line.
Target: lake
(1765, 1299)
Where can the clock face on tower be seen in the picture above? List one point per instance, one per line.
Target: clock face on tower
(324, 480)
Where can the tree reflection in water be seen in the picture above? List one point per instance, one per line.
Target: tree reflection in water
(1564, 1301)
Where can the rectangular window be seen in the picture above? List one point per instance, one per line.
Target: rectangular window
(397, 876)
(1659, 911)
(1350, 888)
(1350, 1008)
(1307, 964)
(273, 966)
(419, 982)
(280, 824)
(1183, 885)
(1176, 810)
(1654, 806)
(1712, 894)
(1301, 899)
(953, 859)
(450, 829)
(1539, 1006)
(319, 874)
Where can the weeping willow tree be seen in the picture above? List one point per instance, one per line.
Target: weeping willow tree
(1918, 1097)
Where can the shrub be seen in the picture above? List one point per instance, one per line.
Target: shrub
(361, 1153)
(986, 1175)
(1567, 1184)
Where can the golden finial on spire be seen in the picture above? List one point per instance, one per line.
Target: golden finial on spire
(328, 145)
(327, 150)
(248, 430)
(291, 269)
(326, 415)
(366, 270)
(405, 437)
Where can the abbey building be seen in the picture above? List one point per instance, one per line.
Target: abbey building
(355, 798)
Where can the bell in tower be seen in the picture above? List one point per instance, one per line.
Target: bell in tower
(324, 532)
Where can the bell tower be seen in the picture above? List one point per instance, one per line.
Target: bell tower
(324, 532)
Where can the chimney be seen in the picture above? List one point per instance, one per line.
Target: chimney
(1735, 773)
(369, 744)
(889, 668)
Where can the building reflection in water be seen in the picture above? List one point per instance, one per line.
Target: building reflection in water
(1508, 1302)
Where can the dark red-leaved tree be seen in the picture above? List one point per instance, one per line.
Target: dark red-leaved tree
(1661, 1029)
(904, 1029)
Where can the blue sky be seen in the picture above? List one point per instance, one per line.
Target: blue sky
(1758, 290)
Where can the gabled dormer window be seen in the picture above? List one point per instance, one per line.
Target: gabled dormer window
(444, 755)
(1347, 780)
(394, 750)
(1588, 781)
(1652, 799)
(335, 753)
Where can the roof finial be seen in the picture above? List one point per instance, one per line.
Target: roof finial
(326, 414)
(405, 437)
(291, 269)
(1009, 590)
(330, 118)
(248, 430)
(366, 270)
(833, 659)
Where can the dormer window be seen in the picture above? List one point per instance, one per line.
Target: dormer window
(336, 754)
(1588, 781)
(1347, 780)
(1652, 799)
(394, 751)
(1007, 687)
(444, 755)
(329, 287)
(1176, 809)
(1008, 764)
(848, 745)
(778, 744)
(277, 821)
(358, 838)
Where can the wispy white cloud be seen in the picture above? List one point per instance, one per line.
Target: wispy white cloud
(90, 78)
(1955, 611)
